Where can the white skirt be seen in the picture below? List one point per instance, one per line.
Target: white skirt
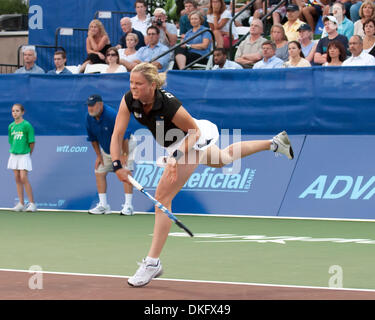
(20, 162)
(209, 134)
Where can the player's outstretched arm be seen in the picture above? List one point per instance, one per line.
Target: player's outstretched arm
(121, 124)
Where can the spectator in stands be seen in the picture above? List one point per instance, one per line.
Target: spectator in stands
(196, 47)
(218, 18)
(142, 20)
(203, 6)
(354, 7)
(130, 53)
(345, 26)
(279, 38)
(59, 59)
(168, 31)
(151, 51)
(243, 18)
(367, 11)
(277, 16)
(305, 39)
(293, 23)
(97, 44)
(359, 57)
(29, 58)
(312, 12)
(113, 61)
(330, 25)
(270, 60)
(369, 38)
(126, 26)
(250, 50)
(190, 6)
(336, 54)
(296, 57)
(221, 61)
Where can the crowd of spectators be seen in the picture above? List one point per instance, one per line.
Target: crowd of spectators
(347, 37)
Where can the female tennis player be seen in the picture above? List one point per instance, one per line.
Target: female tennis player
(189, 142)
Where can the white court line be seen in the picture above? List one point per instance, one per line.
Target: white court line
(187, 280)
(219, 215)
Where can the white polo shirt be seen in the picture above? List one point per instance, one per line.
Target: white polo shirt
(141, 25)
(364, 59)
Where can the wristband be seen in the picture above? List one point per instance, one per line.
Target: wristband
(177, 154)
(188, 46)
(116, 165)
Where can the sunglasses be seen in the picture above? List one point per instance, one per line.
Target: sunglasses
(111, 54)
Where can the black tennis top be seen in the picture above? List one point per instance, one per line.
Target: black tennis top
(159, 119)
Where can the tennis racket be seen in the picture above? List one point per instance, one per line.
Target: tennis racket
(138, 186)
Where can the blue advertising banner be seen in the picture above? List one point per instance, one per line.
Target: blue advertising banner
(334, 178)
(63, 178)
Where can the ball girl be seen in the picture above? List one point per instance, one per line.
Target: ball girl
(21, 139)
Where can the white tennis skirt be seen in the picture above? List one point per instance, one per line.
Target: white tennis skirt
(20, 162)
(208, 136)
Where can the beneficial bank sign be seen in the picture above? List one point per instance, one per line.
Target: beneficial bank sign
(207, 179)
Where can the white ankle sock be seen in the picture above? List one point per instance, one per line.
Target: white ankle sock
(153, 261)
(128, 198)
(273, 146)
(103, 199)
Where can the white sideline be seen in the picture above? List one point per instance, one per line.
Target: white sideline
(222, 215)
(189, 280)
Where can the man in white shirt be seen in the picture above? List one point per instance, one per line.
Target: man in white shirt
(359, 57)
(221, 61)
(142, 20)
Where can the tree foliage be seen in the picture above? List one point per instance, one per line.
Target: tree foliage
(13, 6)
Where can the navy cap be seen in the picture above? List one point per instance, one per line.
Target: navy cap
(94, 98)
(292, 7)
(304, 27)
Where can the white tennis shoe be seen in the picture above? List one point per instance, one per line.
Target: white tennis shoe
(100, 209)
(31, 207)
(283, 145)
(127, 210)
(145, 273)
(19, 207)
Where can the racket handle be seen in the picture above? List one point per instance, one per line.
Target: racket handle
(182, 226)
(135, 183)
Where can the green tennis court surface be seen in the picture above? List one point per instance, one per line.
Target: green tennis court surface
(251, 250)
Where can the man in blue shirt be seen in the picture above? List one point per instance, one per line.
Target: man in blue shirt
(100, 122)
(59, 59)
(151, 51)
(269, 61)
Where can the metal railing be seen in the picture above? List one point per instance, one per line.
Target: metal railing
(45, 55)
(111, 22)
(187, 40)
(74, 40)
(7, 68)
